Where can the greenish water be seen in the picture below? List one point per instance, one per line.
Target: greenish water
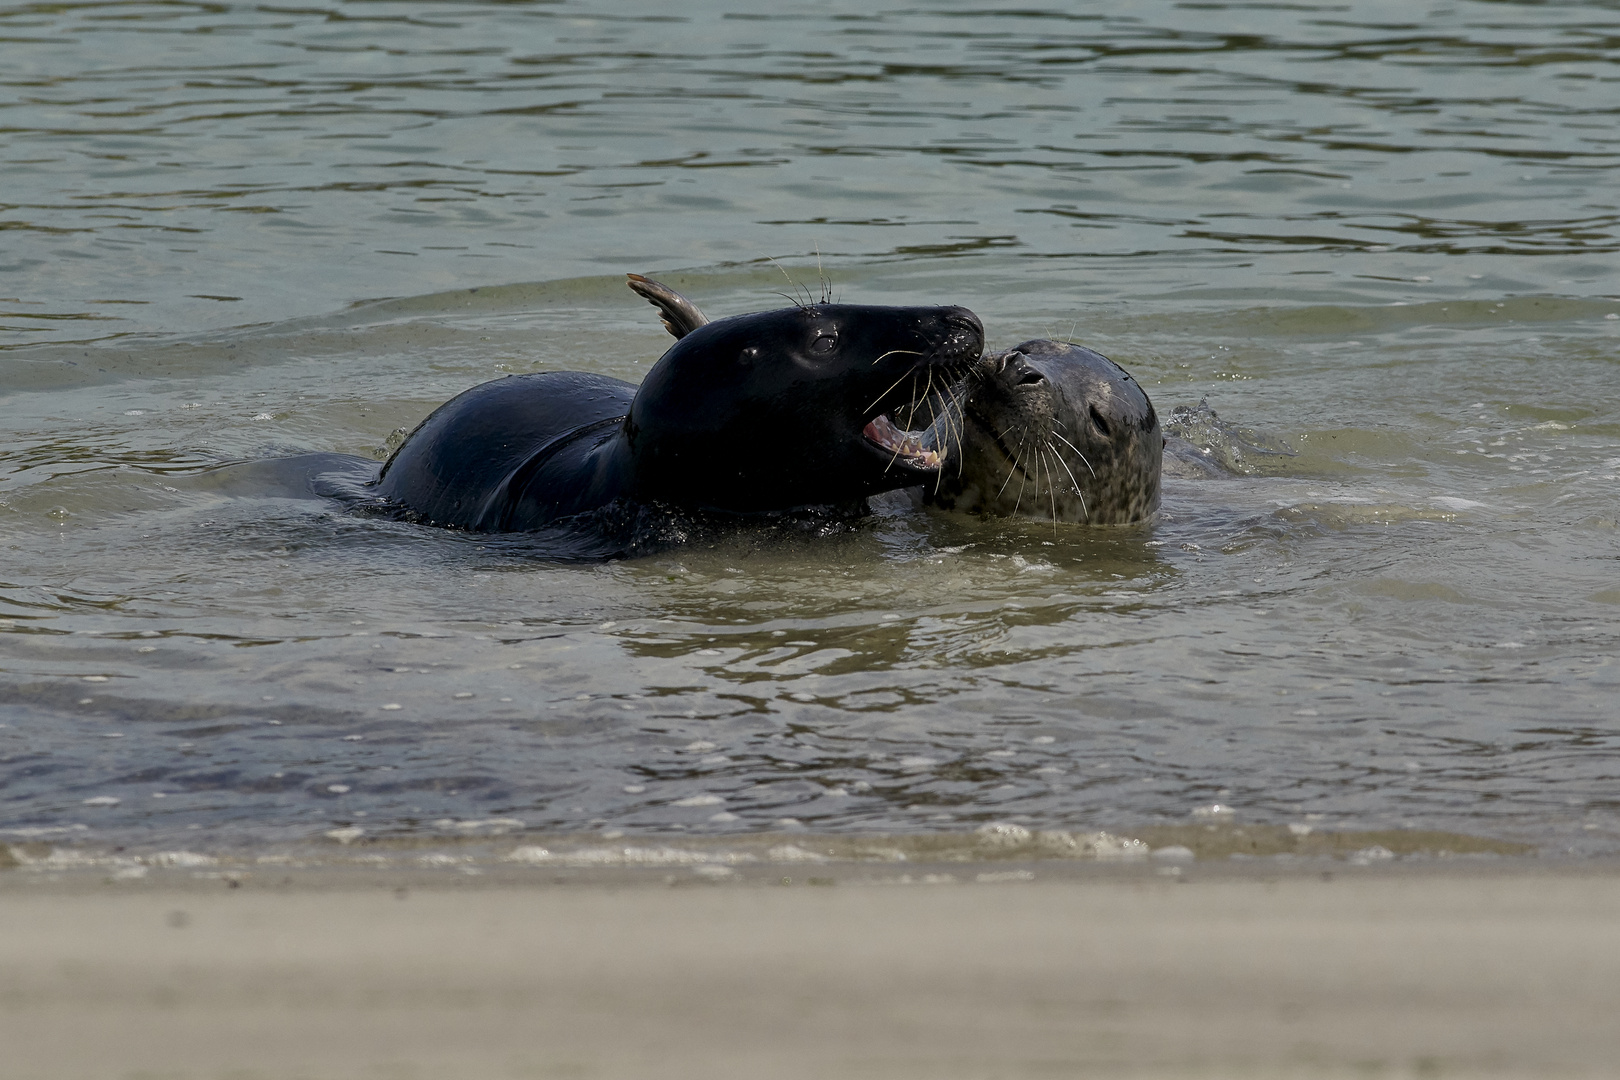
(1384, 233)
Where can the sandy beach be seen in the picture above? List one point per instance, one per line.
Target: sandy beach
(1496, 968)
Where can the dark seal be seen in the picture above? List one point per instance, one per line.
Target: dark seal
(774, 411)
(1054, 431)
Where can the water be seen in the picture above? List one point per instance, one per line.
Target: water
(1383, 233)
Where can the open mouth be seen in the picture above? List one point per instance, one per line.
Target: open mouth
(902, 445)
(935, 400)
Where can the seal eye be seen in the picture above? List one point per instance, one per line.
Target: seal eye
(749, 355)
(826, 343)
(1102, 425)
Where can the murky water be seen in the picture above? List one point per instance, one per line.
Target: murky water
(1384, 233)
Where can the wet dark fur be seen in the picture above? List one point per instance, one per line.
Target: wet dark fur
(752, 414)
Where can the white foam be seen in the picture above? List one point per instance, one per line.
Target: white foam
(628, 856)
(1369, 855)
(1004, 834)
(711, 871)
(793, 853)
(496, 825)
(529, 853)
(186, 859)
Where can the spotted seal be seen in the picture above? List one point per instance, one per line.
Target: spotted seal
(1054, 431)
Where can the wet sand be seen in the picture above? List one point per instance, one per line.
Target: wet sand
(1506, 969)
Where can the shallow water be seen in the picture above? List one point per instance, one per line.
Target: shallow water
(1384, 234)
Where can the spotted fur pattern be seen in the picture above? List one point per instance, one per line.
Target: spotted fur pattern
(1057, 432)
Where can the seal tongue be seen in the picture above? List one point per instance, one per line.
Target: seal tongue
(902, 444)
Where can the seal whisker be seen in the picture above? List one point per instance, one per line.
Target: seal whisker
(1084, 513)
(1066, 469)
(944, 418)
(934, 418)
(1019, 500)
(1014, 464)
(897, 352)
(1076, 449)
(912, 374)
(795, 301)
(899, 446)
(1012, 467)
(955, 424)
(1051, 490)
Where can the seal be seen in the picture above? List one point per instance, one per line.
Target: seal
(1047, 429)
(1055, 431)
(774, 411)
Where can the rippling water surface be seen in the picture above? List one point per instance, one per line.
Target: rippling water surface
(1385, 233)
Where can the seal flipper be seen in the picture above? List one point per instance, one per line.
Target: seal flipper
(680, 316)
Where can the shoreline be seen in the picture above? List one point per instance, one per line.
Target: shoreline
(1459, 967)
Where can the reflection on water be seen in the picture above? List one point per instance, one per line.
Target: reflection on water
(182, 164)
(1380, 236)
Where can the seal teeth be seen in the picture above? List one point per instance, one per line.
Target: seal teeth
(902, 444)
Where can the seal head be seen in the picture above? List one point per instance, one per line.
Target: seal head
(796, 407)
(1055, 431)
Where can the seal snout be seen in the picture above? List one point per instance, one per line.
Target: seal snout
(964, 333)
(1014, 369)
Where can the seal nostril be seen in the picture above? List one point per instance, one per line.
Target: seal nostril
(1102, 425)
(1031, 377)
